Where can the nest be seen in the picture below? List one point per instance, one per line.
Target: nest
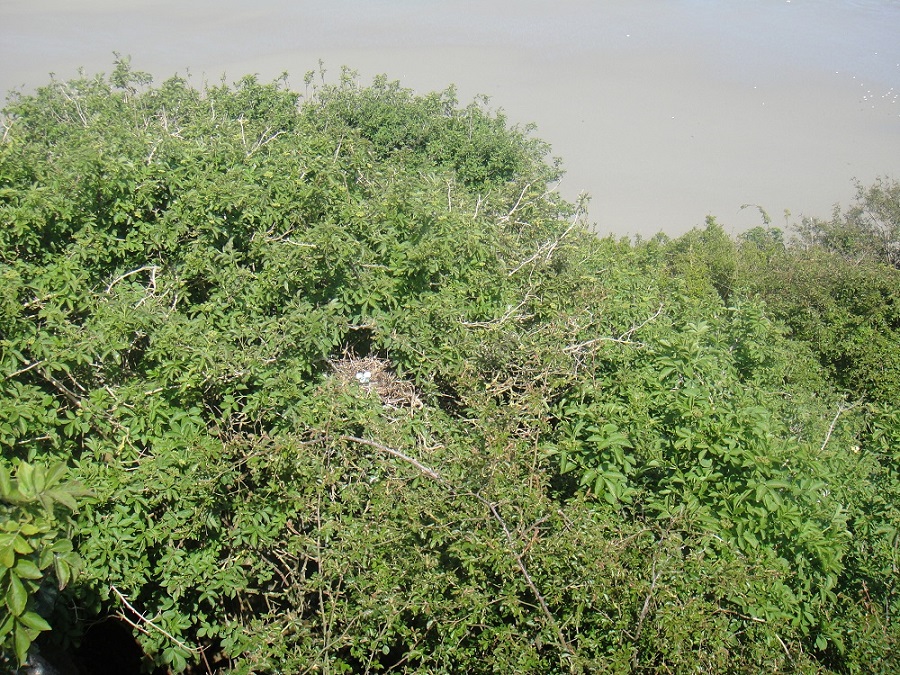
(374, 374)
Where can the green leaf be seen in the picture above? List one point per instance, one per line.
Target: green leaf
(22, 642)
(46, 558)
(6, 487)
(7, 624)
(55, 473)
(63, 572)
(38, 479)
(63, 497)
(7, 555)
(62, 546)
(25, 482)
(16, 596)
(26, 569)
(21, 545)
(34, 621)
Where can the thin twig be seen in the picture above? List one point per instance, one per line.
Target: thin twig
(25, 369)
(7, 125)
(518, 201)
(431, 473)
(643, 615)
(500, 320)
(260, 142)
(841, 410)
(564, 234)
(547, 248)
(746, 617)
(64, 89)
(192, 650)
(784, 646)
(152, 268)
(243, 137)
(622, 339)
(63, 389)
(563, 643)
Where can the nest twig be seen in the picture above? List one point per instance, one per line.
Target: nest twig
(375, 374)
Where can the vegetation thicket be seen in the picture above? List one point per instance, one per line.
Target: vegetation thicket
(338, 383)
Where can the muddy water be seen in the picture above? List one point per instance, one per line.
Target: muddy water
(665, 111)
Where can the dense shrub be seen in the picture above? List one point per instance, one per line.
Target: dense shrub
(354, 390)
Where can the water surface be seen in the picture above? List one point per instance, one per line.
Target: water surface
(665, 111)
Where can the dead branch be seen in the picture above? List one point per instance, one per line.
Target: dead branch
(148, 622)
(516, 205)
(563, 643)
(510, 542)
(64, 89)
(511, 311)
(7, 125)
(25, 369)
(643, 615)
(547, 248)
(243, 136)
(431, 473)
(622, 339)
(840, 411)
(61, 388)
(152, 268)
(260, 142)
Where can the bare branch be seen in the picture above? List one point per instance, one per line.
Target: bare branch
(7, 125)
(260, 142)
(622, 339)
(511, 311)
(25, 369)
(547, 248)
(148, 622)
(518, 201)
(563, 643)
(243, 137)
(510, 542)
(643, 615)
(785, 648)
(431, 473)
(841, 410)
(152, 268)
(64, 89)
(63, 389)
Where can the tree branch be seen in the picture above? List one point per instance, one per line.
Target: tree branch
(152, 268)
(841, 410)
(563, 643)
(510, 542)
(25, 369)
(431, 473)
(622, 339)
(192, 650)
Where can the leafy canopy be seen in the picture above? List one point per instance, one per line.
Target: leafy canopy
(573, 455)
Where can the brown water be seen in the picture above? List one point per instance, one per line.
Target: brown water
(663, 110)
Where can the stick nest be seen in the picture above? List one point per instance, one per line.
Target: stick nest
(374, 374)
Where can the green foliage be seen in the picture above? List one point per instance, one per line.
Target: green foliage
(578, 455)
(36, 553)
(847, 310)
(868, 230)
